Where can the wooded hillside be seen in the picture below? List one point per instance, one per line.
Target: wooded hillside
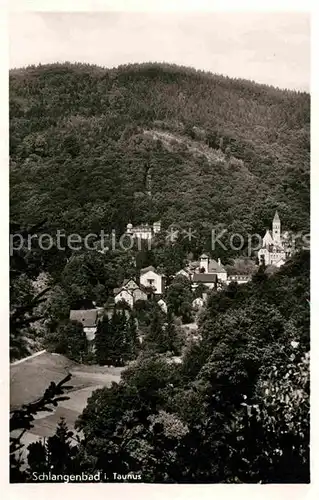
(219, 150)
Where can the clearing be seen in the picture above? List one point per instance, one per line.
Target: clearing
(30, 377)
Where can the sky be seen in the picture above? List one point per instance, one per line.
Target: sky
(271, 48)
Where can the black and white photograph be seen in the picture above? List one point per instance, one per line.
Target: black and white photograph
(159, 169)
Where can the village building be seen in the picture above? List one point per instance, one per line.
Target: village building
(238, 278)
(121, 294)
(149, 278)
(143, 231)
(184, 272)
(209, 272)
(89, 319)
(130, 292)
(209, 280)
(162, 305)
(274, 247)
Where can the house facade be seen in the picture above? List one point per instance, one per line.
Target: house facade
(238, 278)
(130, 292)
(122, 294)
(162, 305)
(143, 231)
(209, 280)
(209, 272)
(184, 272)
(89, 319)
(210, 266)
(149, 278)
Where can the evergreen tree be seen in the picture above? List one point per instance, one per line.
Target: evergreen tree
(101, 341)
(60, 449)
(117, 338)
(55, 455)
(38, 457)
(131, 339)
(70, 340)
(161, 337)
(154, 338)
(170, 338)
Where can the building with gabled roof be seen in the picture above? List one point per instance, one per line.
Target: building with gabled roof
(205, 278)
(273, 251)
(130, 292)
(143, 231)
(150, 278)
(210, 266)
(89, 319)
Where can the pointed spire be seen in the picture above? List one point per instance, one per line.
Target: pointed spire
(276, 218)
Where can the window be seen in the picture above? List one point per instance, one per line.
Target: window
(150, 282)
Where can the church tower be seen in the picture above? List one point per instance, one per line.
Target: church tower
(276, 229)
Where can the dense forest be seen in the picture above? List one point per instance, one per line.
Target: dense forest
(218, 151)
(92, 149)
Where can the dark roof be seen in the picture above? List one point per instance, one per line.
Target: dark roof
(205, 278)
(119, 290)
(159, 297)
(127, 280)
(88, 317)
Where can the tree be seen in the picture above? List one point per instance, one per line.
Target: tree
(154, 339)
(70, 340)
(125, 426)
(101, 341)
(170, 259)
(179, 298)
(111, 340)
(131, 345)
(55, 455)
(172, 341)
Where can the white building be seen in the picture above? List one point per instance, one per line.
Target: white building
(162, 305)
(130, 292)
(209, 266)
(123, 295)
(273, 250)
(238, 278)
(184, 272)
(149, 278)
(143, 231)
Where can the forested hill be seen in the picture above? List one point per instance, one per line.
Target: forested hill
(218, 150)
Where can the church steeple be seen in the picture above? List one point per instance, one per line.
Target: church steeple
(276, 217)
(276, 229)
